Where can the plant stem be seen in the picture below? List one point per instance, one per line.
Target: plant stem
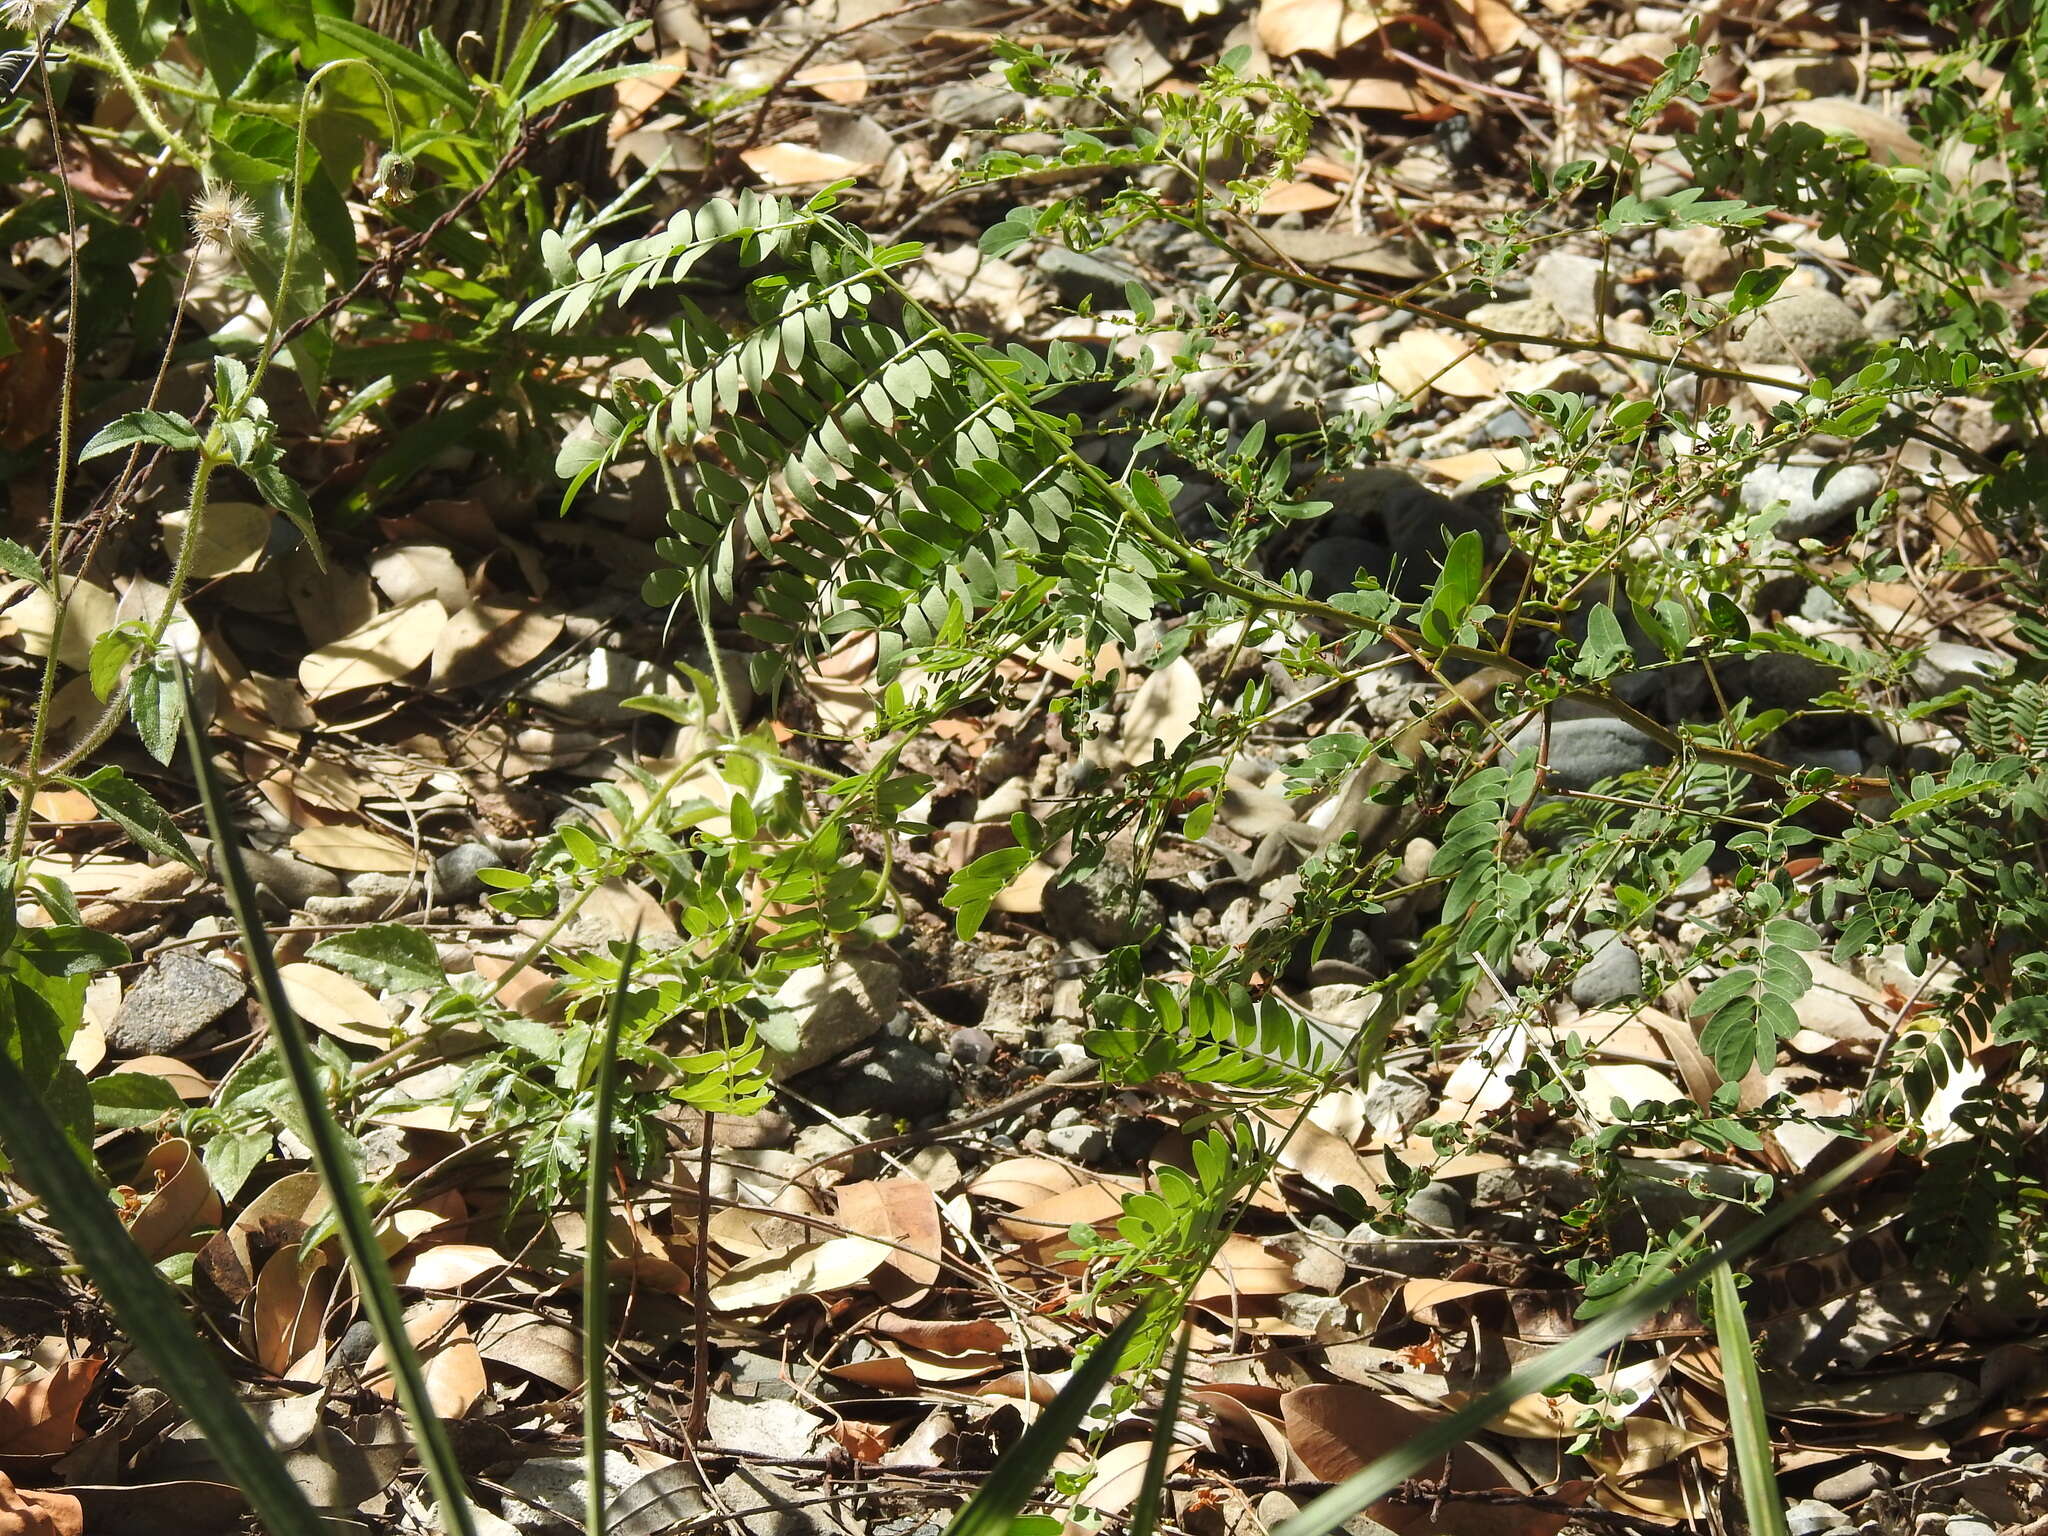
(131, 82)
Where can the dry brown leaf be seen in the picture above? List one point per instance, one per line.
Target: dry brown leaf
(379, 652)
(362, 849)
(36, 1511)
(845, 82)
(337, 1004)
(484, 641)
(1487, 26)
(1328, 27)
(794, 165)
(1243, 1270)
(450, 1266)
(39, 1417)
(193, 1087)
(88, 614)
(1022, 1181)
(179, 1200)
(287, 1308)
(904, 1212)
(1296, 197)
(544, 1350)
(1372, 93)
(835, 1264)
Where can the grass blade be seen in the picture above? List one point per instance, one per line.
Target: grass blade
(147, 1307)
(1747, 1425)
(381, 1306)
(596, 1218)
(1145, 1512)
(1373, 1483)
(1020, 1474)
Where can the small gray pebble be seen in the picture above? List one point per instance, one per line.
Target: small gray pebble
(458, 872)
(1613, 972)
(971, 1046)
(1806, 1517)
(1438, 1205)
(1085, 1144)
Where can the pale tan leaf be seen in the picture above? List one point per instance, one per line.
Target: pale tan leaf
(1372, 93)
(1162, 713)
(339, 1005)
(485, 641)
(193, 1087)
(88, 614)
(231, 537)
(1022, 1181)
(845, 82)
(380, 652)
(450, 1266)
(1328, 27)
(793, 165)
(361, 849)
(1296, 197)
(835, 1264)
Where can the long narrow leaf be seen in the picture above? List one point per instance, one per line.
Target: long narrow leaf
(384, 1311)
(148, 1309)
(1019, 1475)
(1373, 1483)
(1747, 1425)
(1145, 1512)
(596, 1218)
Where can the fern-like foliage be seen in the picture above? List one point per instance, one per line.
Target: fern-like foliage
(1219, 1037)
(844, 461)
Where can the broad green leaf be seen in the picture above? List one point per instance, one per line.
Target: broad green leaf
(110, 653)
(131, 807)
(393, 957)
(156, 703)
(1456, 590)
(1606, 649)
(972, 890)
(17, 561)
(129, 1099)
(166, 429)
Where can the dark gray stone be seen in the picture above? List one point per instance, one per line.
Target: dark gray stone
(1438, 1205)
(1784, 680)
(1811, 507)
(971, 1047)
(1586, 750)
(457, 872)
(973, 104)
(1612, 973)
(1334, 565)
(177, 998)
(1106, 907)
(1083, 275)
(1083, 1144)
(1853, 1484)
(898, 1078)
(292, 881)
(1414, 523)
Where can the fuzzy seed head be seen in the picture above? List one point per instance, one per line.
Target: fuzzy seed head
(221, 216)
(31, 16)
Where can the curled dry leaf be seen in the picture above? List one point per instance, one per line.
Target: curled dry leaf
(809, 1269)
(1296, 197)
(379, 652)
(39, 1416)
(1022, 1181)
(450, 1266)
(180, 1202)
(284, 1314)
(38, 1512)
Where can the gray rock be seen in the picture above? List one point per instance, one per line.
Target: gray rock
(1083, 1144)
(1575, 286)
(1084, 275)
(1963, 1525)
(1395, 1104)
(1438, 1205)
(1612, 973)
(975, 104)
(971, 1047)
(1520, 317)
(1502, 1188)
(1807, 1517)
(1856, 1482)
(1946, 666)
(345, 909)
(1811, 507)
(177, 997)
(1414, 523)
(823, 1011)
(1802, 325)
(1334, 565)
(1783, 680)
(1811, 74)
(1585, 750)
(387, 889)
(291, 880)
(458, 872)
(1843, 760)
(1107, 907)
(897, 1079)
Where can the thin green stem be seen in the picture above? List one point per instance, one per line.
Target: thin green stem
(138, 92)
